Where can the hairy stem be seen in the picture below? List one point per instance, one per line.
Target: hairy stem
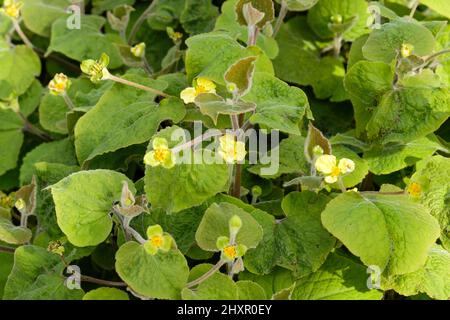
(22, 34)
(68, 101)
(30, 128)
(414, 8)
(341, 185)
(196, 141)
(140, 20)
(236, 192)
(205, 276)
(103, 282)
(280, 19)
(136, 85)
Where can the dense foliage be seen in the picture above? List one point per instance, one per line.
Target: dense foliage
(105, 109)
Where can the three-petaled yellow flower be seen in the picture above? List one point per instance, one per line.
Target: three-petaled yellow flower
(231, 150)
(327, 165)
(11, 8)
(138, 50)
(201, 85)
(415, 190)
(59, 84)
(230, 252)
(160, 155)
(157, 240)
(406, 50)
(97, 70)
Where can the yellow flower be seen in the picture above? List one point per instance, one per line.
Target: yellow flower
(11, 8)
(138, 50)
(97, 70)
(326, 164)
(157, 240)
(230, 251)
(20, 204)
(201, 85)
(406, 50)
(415, 190)
(231, 150)
(160, 155)
(59, 84)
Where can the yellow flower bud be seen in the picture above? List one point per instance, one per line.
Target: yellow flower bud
(406, 50)
(20, 204)
(59, 84)
(138, 50)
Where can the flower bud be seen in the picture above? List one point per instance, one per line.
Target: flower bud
(235, 224)
(138, 50)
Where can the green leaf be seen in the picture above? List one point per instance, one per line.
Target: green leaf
(279, 106)
(302, 242)
(100, 6)
(166, 14)
(61, 152)
(37, 275)
(12, 234)
(248, 290)
(198, 16)
(18, 67)
(38, 15)
(187, 184)
(278, 280)
(291, 159)
(215, 224)
(29, 101)
(409, 113)
(340, 278)
(11, 139)
(53, 111)
(105, 293)
(299, 5)
(217, 287)
(83, 202)
(299, 242)
(432, 176)
(387, 231)
(7, 264)
(124, 116)
(222, 52)
(85, 43)
(396, 156)
(160, 276)
(366, 82)
(384, 44)
(213, 105)
(440, 6)
(227, 22)
(432, 278)
(320, 16)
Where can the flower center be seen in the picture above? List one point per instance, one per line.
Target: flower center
(414, 189)
(335, 172)
(230, 252)
(200, 90)
(161, 154)
(156, 241)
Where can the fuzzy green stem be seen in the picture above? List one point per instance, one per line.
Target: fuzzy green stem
(136, 85)
(68, 101)
(140, 20)
(414, 8)
(103, 282)
(22, 34)
(280, 19)
(205, 276)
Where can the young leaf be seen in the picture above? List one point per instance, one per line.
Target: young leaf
(215, 224)
(240, 76)
(105, 293)
(264, 6)
(315, 138)
(12, 234)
